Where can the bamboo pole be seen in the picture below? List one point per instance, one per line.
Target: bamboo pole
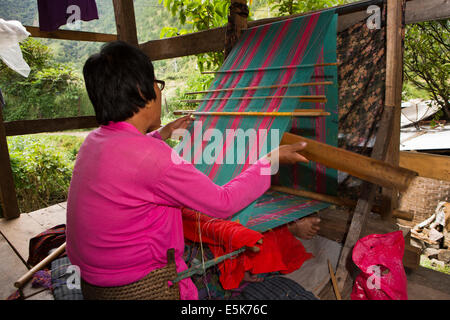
(292, 85)
(296, 113)
(27, 276)
(274, 68)
(365, 168)
(334, 282)
(317, 99)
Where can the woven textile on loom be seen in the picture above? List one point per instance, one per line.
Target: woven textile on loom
(281, 53)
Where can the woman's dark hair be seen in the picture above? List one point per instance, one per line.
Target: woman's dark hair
(119, 80)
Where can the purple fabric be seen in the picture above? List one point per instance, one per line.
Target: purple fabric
(53, 13)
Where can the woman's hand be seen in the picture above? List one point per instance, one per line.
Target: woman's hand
(181, 123)
(288, 154)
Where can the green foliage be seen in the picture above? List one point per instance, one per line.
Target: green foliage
(427, 60)
(288, 7)
(23, 10)
(410, 92)
(199, 15)
(51, 90)
(42, 168)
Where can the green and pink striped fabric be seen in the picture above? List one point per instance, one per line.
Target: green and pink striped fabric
(280, 53)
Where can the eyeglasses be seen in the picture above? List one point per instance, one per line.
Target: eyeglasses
(161, 84)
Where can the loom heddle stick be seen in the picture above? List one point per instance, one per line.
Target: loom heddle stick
(295, 113)
(292, 85)
(319, 99)
(365, 168)
(274, 68)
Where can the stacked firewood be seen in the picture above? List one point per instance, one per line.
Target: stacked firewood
(433, 234)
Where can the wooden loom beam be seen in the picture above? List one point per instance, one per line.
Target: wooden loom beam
(343, 202)
(372, 169)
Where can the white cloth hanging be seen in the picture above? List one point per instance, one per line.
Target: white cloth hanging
(11, 33)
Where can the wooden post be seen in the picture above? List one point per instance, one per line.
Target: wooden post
(125, 21)
(393, 94)
(8, 196)
(380, 151)
(237, 21)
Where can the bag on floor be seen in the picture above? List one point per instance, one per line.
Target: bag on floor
(382, 277)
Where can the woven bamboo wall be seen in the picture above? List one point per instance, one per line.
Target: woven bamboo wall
(423, 196)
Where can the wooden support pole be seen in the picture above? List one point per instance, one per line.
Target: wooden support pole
(393, 94)
(125, 21)
(237, 21)
(8, 196)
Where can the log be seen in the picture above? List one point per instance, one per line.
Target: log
(365, 168)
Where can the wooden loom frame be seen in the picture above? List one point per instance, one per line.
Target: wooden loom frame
(215, 40)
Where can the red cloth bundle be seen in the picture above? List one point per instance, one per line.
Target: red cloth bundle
(280, 250)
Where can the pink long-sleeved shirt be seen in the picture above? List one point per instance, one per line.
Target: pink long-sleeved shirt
(125, 200)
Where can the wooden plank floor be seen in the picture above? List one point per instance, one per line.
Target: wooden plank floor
(14, 241)
(423, 284)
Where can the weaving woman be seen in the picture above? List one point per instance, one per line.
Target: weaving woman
(126, 193)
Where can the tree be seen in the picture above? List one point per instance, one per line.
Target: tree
(427, 60)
